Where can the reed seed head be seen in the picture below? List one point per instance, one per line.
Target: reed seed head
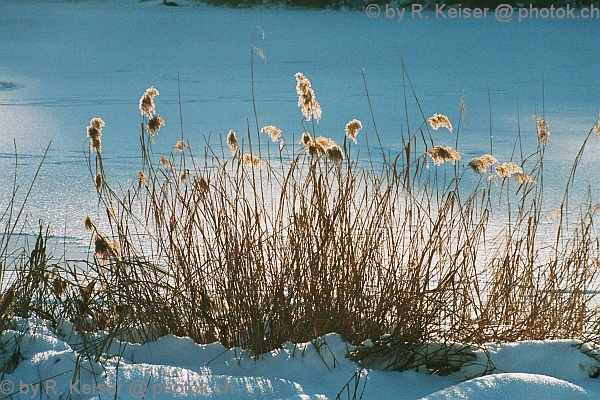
(202, 185)
(143, 180)
(507, 169)
(522, 178)
(273, 132)
(260, 52)
(543, 131)
(154, 125)
(98, 180)
(441, 154)
(306, 98)
(597, 128)
(165, 162)
(305, 138)
(439, 121)
(89, 224)
(102, 247)
(232, 142)
(147, 106)
(180, 145)
(335, 154)
(251, 160)
(352, 128)
(94, 132)
(183, 176)
(482, 163)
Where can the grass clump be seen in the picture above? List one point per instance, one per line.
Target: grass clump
(256, 251)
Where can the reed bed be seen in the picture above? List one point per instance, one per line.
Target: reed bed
(255, 252)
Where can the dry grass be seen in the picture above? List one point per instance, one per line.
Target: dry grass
(301, 247)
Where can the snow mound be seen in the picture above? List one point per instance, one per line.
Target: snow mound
(512, 386)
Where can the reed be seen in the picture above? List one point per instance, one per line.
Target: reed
(255, 252)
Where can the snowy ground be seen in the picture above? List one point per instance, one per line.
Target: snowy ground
(172, 367)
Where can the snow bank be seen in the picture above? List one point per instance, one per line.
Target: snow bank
(41, 362)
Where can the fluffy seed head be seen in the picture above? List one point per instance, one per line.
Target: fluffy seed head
(143, 180)
(94, 132)
(232, 142)
(352, 128)
(147, 106)
(183, 176)
(165, 162)
(441, 154)
(154, 124)
(305, 138)
(543, 131)
(507, 169)
(481, 164)
(597, 128)
(306, 98)
(438, 120)
(251, 160)
(273, 132)
(181, 145)
(335, 154)
(522, 178)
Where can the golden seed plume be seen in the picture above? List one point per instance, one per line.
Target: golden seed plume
(439, 121)
(94, 132)
(180, 145)
(305, 138)
(147, 106)
(98, 180)
(89, 224)
(507, 169)
(232, 142)
(597, 127)
(143, 180)
(306, 98)
(441, 154)
(543, 131)
(164, 162)
(154, 125)
(273, 132)
(597, 207)
(335, 154)
(183, 176)
(251, 160)
(352, 128)
(482, 163)
(317, 147)
(522, 178)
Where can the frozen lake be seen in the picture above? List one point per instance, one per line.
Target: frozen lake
(64, 62)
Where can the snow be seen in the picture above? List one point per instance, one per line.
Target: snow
(171, 367)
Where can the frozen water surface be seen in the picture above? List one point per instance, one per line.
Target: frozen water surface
(64, 62)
